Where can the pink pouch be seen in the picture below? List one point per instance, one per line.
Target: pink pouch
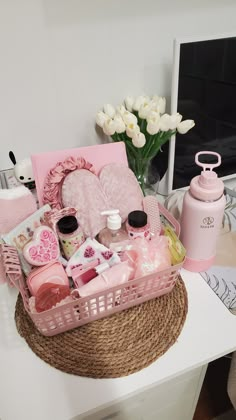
(50, 273)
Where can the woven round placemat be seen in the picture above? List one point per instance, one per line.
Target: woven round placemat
(115, 346)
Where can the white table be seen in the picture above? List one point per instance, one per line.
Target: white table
(32, 390)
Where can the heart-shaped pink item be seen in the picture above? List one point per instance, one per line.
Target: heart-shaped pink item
(43, 247)
(115, 188)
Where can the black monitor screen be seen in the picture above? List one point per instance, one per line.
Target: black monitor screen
(206, 94)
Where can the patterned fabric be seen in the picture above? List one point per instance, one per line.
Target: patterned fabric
(222, 276)
(121, 189)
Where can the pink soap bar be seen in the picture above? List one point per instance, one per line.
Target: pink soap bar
(43, 247)
(49, 294)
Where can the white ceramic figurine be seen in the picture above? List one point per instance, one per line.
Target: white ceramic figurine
(23, 171)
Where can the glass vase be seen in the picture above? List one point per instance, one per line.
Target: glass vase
(146, 173)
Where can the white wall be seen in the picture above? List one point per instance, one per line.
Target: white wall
(60, 60)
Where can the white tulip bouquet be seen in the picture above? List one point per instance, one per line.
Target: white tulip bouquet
(142, 124)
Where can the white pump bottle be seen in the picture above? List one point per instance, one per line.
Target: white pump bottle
(113, 232)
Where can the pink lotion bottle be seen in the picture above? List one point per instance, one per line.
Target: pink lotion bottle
(113, 232)
(202, 214)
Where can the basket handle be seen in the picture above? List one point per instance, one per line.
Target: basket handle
(171, 219)
(10, 265)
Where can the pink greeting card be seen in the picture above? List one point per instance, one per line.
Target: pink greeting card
(98, 155)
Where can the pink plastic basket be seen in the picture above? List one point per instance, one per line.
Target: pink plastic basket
(99, 305)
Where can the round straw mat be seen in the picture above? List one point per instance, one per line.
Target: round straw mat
(115, 346)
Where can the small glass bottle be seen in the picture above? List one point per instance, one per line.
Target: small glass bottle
(137, 225)
(70, 235)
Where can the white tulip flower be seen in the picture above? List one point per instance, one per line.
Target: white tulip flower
(155, 98)
(120, 125)
(139, 140)
(153, 114)
(138, 102)
(175, 120)
(109, 127)
(165, 122)
(132, 129)
(120, 109)
(101, 117)
(154, 109)
(184, 126)
(153, 125)
(129, 118)
(129, 101)
(109, 110)
(145, 110)
(162, 105)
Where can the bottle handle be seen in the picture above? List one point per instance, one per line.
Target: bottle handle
(209, 166)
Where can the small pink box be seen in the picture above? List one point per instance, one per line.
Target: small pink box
(50, 273)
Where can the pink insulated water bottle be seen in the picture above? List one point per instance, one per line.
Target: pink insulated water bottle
(202, 214)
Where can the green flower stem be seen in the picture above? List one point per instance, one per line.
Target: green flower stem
(139, 158)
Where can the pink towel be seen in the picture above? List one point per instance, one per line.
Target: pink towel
(16, 204)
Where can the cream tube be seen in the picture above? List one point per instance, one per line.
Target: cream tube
(118, 274)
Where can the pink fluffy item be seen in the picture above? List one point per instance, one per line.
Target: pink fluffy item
(32, 307)
(43, 247)
(89, 251)
(151, 207)
(153, 255)
(16, 204)
(50, 273)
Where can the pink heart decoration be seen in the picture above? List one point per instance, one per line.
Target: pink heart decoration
(43, 247)
(89, 252)
(115, 188)
(107, 254)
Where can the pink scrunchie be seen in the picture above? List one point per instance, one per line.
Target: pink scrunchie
(56, 176)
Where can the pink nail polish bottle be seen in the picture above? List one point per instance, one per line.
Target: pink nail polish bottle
(137, 225)
(90, 274)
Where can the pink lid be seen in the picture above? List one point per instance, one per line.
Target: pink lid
(207, 186)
